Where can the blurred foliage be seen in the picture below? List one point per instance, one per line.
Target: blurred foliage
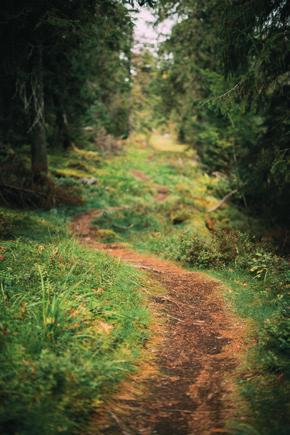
(64, 66)
(146, 112)
(225, 79)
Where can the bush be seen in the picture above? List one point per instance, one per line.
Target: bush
(198, 252)
(188, 247)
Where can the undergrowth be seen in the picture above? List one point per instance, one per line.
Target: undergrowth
(72, 324)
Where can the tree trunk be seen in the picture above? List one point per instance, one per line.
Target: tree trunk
(63, 129)
(39, 164)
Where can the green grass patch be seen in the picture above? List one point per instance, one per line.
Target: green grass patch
(72, 325)
(264, 380)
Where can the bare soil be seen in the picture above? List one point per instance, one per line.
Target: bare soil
(192, 390)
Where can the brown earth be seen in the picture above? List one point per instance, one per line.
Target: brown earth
(191, 391)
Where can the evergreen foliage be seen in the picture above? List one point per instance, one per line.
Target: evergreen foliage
(63, 63)
(226, 80)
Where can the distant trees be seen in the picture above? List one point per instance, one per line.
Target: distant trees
(62, 63)
(226, 80)
(145, 112)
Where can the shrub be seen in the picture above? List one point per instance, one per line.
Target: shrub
(188, 247)
(198, 252)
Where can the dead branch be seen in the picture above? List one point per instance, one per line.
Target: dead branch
(225, 198)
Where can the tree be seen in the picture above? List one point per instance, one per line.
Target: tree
(58, 59)
(255, 44)
(226, 81)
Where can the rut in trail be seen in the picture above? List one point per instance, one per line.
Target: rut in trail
(192, 392)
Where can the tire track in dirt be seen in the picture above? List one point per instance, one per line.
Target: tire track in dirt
(198, 352)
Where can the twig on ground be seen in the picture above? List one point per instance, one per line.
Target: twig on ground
(120, 424)
(225, 198)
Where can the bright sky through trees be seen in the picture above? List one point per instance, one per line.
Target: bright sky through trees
(148, 34)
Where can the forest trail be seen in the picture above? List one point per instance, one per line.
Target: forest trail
(192, 391)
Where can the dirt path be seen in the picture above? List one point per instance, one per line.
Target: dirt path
(196, 356)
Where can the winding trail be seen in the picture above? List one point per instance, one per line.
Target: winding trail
(193, 390)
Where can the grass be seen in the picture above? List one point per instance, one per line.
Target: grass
(72, 325)
(263, 379)
(73, 321)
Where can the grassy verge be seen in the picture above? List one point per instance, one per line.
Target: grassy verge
(264, 379)
(72, 324)
(157, 200)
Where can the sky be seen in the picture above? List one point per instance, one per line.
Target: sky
(146, 33)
